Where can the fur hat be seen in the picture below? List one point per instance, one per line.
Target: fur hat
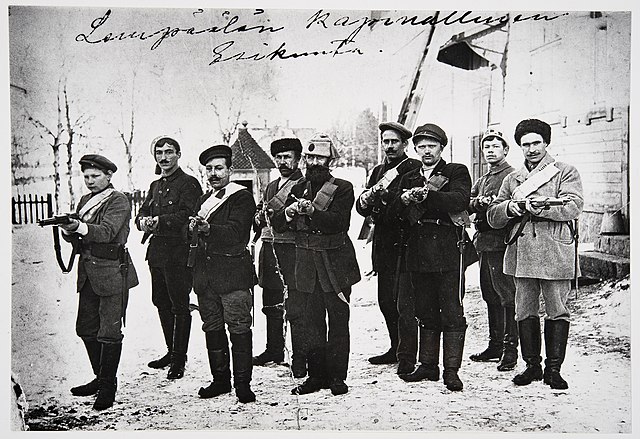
(533, 126)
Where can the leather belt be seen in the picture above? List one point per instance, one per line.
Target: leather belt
(437, 222)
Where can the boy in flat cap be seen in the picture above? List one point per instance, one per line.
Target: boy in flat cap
(277, 261)
(498, 289)
(432, 205)
(163, 216)
(374, 202)
(540, 248)
(224, 275)
(105, 274)
(318, 210)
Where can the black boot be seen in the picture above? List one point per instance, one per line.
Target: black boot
(181, 332)
(241, 346)
(510, 349)
(298, 355)
(166, 322)
(388, 357)
(556, 333)
(94, 349)
(275, 343)
(496, 335)
(530, 345)
(429, 356)
(317, 374)
(218, 353)
(107, 382)
(452, 348)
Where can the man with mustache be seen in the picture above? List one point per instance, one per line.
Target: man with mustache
(318, 210)
(381, 189)
(105, 274)
(224, 274)
(163, 216)
(277, 261)
(498, 289)
(433, 204)
(540, 249)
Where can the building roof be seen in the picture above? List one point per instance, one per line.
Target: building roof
(247, 154)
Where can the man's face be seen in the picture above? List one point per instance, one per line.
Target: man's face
(218, 173)
(316, 160)
(393, 144)
(533, 147)
(429, 150)
(96, 180)
(287, 162)
(166, 157)
(493, 150)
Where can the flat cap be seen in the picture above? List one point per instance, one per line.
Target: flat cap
(533, 126)
(213, 152)
(98, 161)
(404, 133)
(286, 144)
(321, 144)
(492, 133)
(431, 130)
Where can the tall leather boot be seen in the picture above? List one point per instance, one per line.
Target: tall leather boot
(493, 352)
(181, 332)
(389, 357)
(556, 333)
(107, 382)
(166, 322)
(428, 355)
(275, 343)
(530, 345)
(510, 348)
(317, 379)
(241, 346)
(94, 348)
(299, 354)
(218, 353)
(452, 347)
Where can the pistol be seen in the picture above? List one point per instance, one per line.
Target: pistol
(58, 219)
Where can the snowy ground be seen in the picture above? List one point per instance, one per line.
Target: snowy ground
(48, 359)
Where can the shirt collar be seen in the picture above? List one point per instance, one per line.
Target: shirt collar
(500, 167)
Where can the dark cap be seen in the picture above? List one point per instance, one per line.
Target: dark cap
(97, 161)
(214, 152)
(431, 130)
(286, 144)
(404, 133)
(533, 126)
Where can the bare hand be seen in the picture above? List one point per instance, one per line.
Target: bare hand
(513, 209)
(305, 207)
(72, 226)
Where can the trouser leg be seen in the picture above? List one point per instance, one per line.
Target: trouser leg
(407, 325)
(389, 306)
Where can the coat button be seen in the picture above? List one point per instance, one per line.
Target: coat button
(208, 258)
(434, 237)
(170, 202)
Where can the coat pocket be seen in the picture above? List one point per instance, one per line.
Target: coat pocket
(105, 276)
(560, 232)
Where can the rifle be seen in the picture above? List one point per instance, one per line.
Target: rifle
(58, 220)
(545, 203)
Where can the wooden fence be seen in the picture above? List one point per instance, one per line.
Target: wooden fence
(28, 209)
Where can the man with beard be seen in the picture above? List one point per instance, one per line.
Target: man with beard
(105, 274)
(277, 261)
(433, 205)
(381, 189)
(498, 289)
(224, 275)
(319, 211)
(540, 249)
(163, 216)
